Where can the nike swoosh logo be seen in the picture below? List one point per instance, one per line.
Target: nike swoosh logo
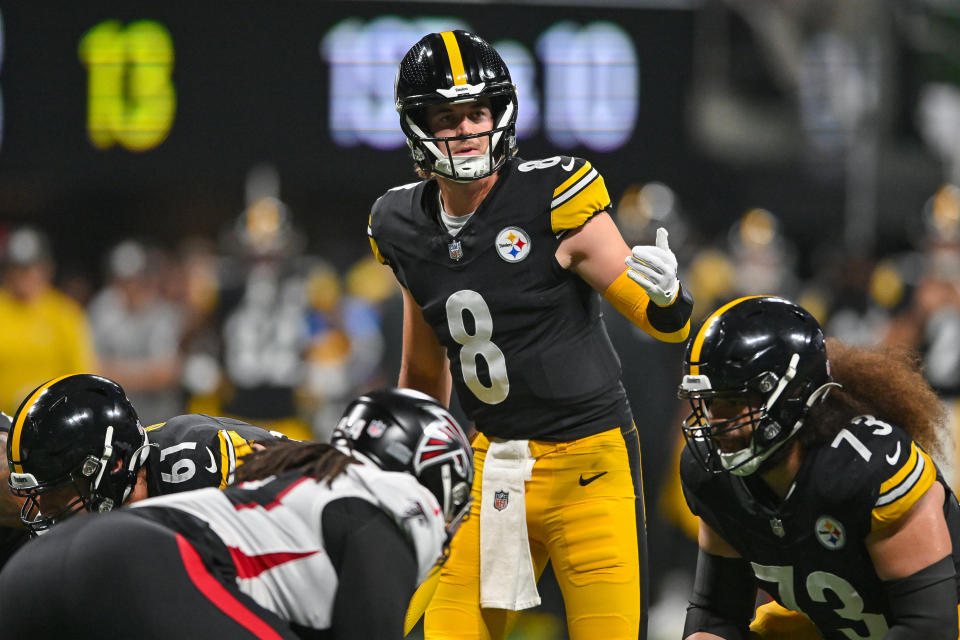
(568, 166)
(585, 481)
(896, 455)
(213, 462)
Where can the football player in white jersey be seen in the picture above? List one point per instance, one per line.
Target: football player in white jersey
(316, 541)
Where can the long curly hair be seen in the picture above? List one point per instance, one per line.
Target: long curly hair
(316, 459)
(885, 382)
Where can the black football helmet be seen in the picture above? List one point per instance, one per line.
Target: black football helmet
(454, 67)
(81, 432)
(405, 430)
(764, 354)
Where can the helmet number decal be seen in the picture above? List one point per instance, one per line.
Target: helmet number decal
(477, 344)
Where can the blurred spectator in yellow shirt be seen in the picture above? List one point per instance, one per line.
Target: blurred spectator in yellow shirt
(43, 333)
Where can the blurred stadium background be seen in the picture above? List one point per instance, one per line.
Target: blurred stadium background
(195, 180)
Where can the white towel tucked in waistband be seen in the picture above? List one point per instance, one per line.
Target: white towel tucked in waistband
(507, 579)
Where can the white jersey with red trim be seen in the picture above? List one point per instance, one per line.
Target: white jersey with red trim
(273, 530)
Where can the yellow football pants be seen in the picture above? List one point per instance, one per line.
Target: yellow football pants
(593, 532)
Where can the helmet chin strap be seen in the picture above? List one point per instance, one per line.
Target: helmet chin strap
(746, 461)
(104, 460)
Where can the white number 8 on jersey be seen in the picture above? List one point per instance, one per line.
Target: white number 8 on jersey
(477, 344)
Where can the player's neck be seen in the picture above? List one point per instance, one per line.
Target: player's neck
(461, 198)
(780, 478)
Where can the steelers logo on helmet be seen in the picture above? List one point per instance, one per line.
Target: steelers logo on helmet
(513, 244)
(830, 533)
(455, 67)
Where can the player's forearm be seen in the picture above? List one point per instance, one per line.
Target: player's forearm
(924, 605)
(722, 602)
(433, 381)
(668, 324)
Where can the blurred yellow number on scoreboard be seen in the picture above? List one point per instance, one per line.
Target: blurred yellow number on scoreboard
(130, 96)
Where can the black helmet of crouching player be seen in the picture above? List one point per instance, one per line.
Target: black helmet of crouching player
(455, 67)
(405, 430)
(758, 361)
(77, 439)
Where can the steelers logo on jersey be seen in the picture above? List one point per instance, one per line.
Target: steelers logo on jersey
(513, 244)
(830, 533)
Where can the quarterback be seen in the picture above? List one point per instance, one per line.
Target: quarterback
(502, 263)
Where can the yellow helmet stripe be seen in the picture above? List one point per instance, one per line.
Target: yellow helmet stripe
(456, 61)
(18, 425)
(702, 334)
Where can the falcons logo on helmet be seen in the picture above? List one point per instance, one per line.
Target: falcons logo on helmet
(443, 441)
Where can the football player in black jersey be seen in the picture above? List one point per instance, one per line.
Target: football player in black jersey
(76, 444)
(814, 480)
(501, 262)
(316, 540)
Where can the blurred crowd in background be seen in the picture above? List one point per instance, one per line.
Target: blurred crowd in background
(250, 325)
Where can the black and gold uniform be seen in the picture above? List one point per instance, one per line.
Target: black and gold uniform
(196, 451)
(529, 354)
(531, 360)
(809, 551)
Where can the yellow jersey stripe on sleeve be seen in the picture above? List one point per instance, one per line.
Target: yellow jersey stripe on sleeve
(233, 447)
(226, 454)
(583, 200)
(563, 193)
(904, 488)
(579, 173)
(154, 427)
(373, 243)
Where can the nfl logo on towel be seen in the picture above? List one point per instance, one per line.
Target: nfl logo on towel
(500, 499)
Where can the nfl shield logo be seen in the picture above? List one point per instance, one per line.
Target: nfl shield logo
(500, 499)
(456, 250)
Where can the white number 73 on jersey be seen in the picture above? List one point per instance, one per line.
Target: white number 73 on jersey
(818, 583)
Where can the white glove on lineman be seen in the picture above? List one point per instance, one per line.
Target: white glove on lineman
(655, 269)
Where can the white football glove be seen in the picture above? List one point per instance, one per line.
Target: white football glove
(655, 269)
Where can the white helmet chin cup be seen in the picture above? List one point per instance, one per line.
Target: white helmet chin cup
(742, 462)
(465, 168)
(746, 461)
